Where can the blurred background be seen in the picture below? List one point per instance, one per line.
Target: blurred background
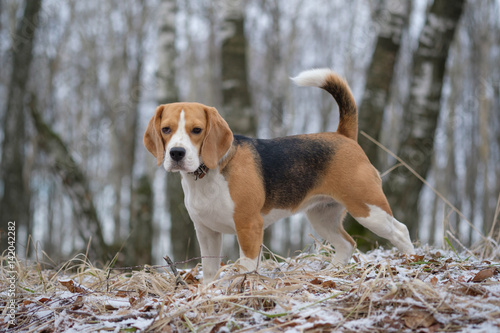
(80, 80)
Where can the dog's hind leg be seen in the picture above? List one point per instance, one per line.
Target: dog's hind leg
(326, 220)
(364, 199)
(385, 225)
(371, 209)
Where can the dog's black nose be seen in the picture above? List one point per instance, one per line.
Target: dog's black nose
(177, 153)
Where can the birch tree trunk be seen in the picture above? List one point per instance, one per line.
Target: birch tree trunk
(237, 108)
(422, 111)
(15, 200)
(182, 233)
(482, 46)
(391, 23)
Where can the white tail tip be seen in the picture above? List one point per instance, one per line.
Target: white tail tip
(313, 77)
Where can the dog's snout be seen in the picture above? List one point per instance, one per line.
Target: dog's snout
(177, 153)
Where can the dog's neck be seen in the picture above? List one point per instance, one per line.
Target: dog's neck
(203, 170)
(200, 172)
(227, 157)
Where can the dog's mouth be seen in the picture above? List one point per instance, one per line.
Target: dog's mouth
(178, 167)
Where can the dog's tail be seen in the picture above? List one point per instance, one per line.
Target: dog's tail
(330, 81)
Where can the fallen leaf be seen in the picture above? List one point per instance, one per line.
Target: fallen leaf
(329, 284)
(419, 318)
(316, 281)
(434, 281)
(110, 307)
(147, 308)
(77, 304)
(44, 300)
(321, 326)
(190, 278)
(73, 287)
(434, 328)
(417, 258)
(121, 293)
(483, 275)
(216, 328)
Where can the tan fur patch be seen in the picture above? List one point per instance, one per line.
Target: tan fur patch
(247, 191)
(218, 138)
(152, 137)
(352, 180)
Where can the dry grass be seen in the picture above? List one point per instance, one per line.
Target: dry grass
(381, 291)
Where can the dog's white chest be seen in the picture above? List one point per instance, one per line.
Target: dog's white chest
(208, 201)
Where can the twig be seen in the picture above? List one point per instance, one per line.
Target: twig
(388, 171)
(178, 278)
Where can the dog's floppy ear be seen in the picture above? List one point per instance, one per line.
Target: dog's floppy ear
(218, 139)
(152, 138)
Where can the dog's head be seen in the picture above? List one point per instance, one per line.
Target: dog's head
(185, 135)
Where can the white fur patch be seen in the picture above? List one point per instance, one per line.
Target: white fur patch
(249, 265)
(211, 208)
(386, 226)
(181, 139)
(313, 77)
(208, 201)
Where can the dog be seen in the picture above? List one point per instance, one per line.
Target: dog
(239, 185)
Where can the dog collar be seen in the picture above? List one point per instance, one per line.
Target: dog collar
(200, 172)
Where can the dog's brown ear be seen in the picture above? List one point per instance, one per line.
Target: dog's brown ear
(152, 137)
(218, 139)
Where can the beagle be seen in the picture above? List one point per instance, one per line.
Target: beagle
(239, 185)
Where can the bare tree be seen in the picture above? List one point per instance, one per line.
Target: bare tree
(391, 20)
(122, 105)
(236, 103)
(422, 111)
(76, 185)
(182, 233)
(139, 245)
(15, 200)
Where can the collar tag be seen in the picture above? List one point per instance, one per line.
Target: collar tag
(200, 172)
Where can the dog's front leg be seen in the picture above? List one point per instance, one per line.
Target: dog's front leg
(250, 234)
(210, 247)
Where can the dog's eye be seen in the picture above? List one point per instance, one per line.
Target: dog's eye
(166, 130)
(196, 130)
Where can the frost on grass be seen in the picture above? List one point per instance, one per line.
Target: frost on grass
(379, 291)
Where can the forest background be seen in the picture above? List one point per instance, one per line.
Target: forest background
(80, 80)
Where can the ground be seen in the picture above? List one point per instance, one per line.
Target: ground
(380, 291)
